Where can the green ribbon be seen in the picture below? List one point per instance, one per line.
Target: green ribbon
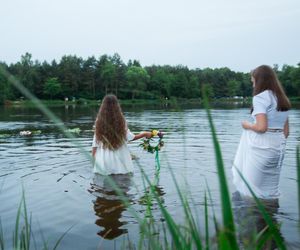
(148, 197)
(157, 163)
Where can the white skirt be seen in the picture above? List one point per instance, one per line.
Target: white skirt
(113, 161)
(259, 159)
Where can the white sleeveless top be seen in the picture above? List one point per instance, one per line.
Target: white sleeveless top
(266, 103)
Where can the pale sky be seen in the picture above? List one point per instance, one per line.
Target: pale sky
(216, 33)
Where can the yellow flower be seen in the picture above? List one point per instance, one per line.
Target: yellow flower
(154, 132)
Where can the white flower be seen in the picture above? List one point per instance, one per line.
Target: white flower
(25, 133)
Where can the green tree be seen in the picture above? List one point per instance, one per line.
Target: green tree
(160, 81)
(93, 78)
(27, 72)
(5, 88)
(295, 75)
(88, 83)
(192, 88)
(70, 74)
(286, 78)
(209, 90)
(52, 87)
(120, 70)
(178, 87)
(137, 79)
(108, 76)
(233, 87)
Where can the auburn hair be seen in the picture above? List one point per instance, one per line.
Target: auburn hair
(110, 125)
(266, 79)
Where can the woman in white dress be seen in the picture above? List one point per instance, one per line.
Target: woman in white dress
(109, 147)
(262, 146)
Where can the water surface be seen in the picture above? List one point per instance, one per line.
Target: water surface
(61, 190)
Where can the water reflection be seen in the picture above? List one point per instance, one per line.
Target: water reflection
(148, 198)
(108, 205)
(251, 222)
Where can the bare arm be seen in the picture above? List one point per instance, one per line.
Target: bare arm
(286, 129)
(260, 126)
(94, 149)
(142, 135)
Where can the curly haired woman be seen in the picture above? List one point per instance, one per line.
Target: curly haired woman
(109, 147)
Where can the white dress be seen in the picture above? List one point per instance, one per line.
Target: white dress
(259, 156)
(113, 161)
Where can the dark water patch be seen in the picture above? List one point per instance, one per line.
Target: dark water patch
(36, 172)
(6, 174)
(65, 174)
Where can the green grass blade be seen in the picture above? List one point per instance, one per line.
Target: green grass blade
(27, 226)
(223, 242)
(225, 197)
(213, 209)
(45, 243)
(147, 227)
(195, 232)
(188, 213)
(192, 228)
(177, 236)
(61, 237)
(266, 216)
(166, 243)
(16, 242)
(262, 237)
(34, 241)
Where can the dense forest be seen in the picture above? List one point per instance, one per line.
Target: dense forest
(74, 77)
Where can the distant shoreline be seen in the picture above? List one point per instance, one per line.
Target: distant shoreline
(139, 102)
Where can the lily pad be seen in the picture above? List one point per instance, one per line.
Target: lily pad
(36, 132)
(4, 135)
(74, 130)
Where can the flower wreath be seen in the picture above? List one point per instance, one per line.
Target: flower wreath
(146, 145)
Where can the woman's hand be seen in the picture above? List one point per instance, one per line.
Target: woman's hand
(94, 150)
(246, 124)
(148, 134)
(260, 126)
(142, 134)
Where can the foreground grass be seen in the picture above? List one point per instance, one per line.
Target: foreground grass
(23, 235)
(167, 234)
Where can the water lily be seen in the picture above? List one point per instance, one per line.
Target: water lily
(25, 132)
(74, 130)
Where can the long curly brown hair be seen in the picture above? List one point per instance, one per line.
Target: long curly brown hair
(110, 124)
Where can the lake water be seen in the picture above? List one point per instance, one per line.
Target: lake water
(60, 186)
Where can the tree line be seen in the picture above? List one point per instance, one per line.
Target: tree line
(92, 78)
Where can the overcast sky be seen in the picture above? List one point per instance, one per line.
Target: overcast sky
(216, 33)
